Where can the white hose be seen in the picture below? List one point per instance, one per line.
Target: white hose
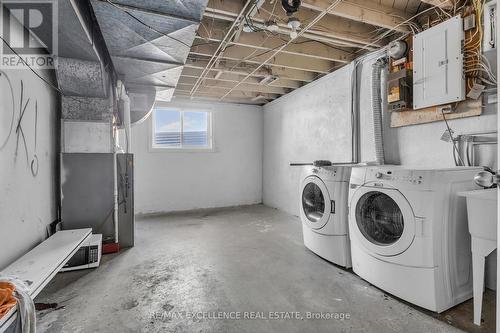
(377, 68)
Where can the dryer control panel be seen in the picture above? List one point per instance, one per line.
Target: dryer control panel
(398, 176)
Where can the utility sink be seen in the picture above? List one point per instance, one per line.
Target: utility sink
(482, 213)
(482, 220)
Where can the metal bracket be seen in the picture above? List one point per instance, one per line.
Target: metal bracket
(443, 62)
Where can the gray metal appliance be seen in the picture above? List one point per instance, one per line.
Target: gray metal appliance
(87, 192)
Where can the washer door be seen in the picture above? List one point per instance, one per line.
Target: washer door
(315, 205)
(382, 219)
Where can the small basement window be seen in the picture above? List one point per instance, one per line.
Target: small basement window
(180, 129)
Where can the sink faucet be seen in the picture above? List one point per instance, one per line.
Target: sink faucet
(486, 178)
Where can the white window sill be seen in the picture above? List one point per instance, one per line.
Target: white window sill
(180, 150)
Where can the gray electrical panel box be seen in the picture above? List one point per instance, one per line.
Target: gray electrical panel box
(438, 76)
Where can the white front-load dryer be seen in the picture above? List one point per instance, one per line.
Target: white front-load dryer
(323, 211)
(408, 231)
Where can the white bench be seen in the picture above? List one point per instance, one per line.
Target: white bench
(39, 266)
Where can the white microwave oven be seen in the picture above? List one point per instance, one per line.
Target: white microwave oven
(87, 256)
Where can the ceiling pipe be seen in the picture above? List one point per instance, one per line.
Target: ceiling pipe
(285, 30)
(313, 34)
(221, 46)
(300, 33)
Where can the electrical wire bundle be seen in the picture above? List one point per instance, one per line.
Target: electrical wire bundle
(476, 66)
(248, 18)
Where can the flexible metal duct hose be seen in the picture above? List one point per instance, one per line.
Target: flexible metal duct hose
(377, 68)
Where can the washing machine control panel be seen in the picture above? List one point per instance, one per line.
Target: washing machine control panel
(324, 171)
(395, 176)
(333, 173)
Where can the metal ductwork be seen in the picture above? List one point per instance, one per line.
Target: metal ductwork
(80, 68)
(148, 42)
(78, 77)
(376, 96)
(81, 71)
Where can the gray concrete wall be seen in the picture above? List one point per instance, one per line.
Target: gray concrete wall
(231, 175)
(27, 203)
(313, 122)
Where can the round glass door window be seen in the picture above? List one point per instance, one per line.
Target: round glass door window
(313, 202)
(379, 218)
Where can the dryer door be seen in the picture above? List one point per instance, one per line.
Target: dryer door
(382, 220)
(315, 205)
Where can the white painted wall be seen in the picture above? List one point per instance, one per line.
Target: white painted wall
(311, 123)
(27, 203)
(229, 176)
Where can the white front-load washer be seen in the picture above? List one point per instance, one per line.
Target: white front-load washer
(323, 211)
(408, 231)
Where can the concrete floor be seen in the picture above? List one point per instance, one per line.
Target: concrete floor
(249, 260)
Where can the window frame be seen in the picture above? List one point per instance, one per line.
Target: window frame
(153, 147)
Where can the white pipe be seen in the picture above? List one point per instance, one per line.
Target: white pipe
(312, 34)
(124, 106)
(115, 190)
(126, 119)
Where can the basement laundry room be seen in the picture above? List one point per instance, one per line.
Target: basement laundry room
(248, 166)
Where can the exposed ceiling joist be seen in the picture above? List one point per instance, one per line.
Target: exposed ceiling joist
(233, 29)
(236, 100)
(240, 70)
(233, 77)
(445, 4)
(338, 31)
(363, 11)
(297, 34)
(213, 32)
(237, 67)
(215, 92)
(252, 56)
(224, 85)
(317, 35)
(366, 11)
(260, 61)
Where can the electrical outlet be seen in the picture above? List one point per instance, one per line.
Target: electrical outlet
(445, 109)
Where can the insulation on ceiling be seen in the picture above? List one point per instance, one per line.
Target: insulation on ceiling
(149, 41)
